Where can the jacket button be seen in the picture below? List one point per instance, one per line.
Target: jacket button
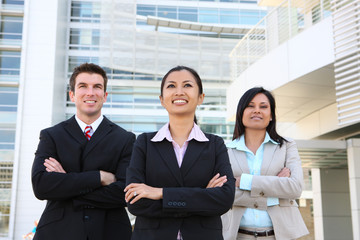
(86, 218)
(169, 203)
(291, 201)
(256, 205)
(262, 194)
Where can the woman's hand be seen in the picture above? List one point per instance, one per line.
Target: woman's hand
(217, 181)
(237, 182)
(285, 172)
(136, 191)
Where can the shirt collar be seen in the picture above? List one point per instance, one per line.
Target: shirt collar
(239, 143)
(164, 132)
(94, 125)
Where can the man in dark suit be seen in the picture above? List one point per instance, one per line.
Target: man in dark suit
(80, 167)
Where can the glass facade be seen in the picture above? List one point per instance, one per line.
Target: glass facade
(11, 24)
(226, 16)
(127, 95)
(203, 15)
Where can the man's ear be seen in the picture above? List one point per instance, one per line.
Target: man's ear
(72, 96)
(105, 96)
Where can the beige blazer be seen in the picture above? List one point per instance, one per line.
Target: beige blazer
(286, 217)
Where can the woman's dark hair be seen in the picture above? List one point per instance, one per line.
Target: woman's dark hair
(190, 70)
(244, 102)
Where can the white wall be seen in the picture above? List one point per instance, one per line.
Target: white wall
(41, 100)
(287, 62)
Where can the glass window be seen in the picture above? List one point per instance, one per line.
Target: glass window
(14, 2)
(208, 16)
(84, 36)
(9, 63)
(188, 14)
(6, 173)
(11, 27)
(167, 12)
(9, 99)
(75, 61)
(85, 11)
(249, 17)
(146, 10)
(229, 19)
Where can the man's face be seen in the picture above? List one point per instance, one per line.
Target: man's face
(88, 96)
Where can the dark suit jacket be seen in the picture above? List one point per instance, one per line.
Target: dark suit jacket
(187, 204)
(78, 206)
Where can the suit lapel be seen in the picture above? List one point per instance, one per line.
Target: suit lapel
(269, 150)
(73, 128)
(241, 161)
(166, 150)
(103, 129)
(192, 154)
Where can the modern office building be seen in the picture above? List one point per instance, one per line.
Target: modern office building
(308, 55)
(135, 41)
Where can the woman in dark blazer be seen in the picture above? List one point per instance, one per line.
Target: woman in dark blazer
(179, 181)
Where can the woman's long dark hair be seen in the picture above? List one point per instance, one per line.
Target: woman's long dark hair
(244, 103)
(190, 70)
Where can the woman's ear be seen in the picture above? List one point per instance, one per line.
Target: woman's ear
(201, 98)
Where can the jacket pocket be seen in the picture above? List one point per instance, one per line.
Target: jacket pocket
(51, 216)
(146, 223)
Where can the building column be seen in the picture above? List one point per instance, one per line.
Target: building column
(41, 100)
(353, 152)
(331, 201)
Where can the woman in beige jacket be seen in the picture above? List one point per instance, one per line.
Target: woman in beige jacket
(268, 175)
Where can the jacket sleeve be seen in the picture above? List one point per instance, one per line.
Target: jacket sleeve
(184, 201)
(136, 174)
(282, 187)
(111, 196)
(58, 186)
(242, 197)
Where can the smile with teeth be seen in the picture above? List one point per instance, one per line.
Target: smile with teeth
(179, 101)
(90, 101)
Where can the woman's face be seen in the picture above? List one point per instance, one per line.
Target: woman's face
(257, 114)
(181, 93)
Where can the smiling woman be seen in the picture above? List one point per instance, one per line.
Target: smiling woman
(179, 181)
(268, 173)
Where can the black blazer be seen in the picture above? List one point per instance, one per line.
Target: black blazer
(78, 207)
(187, 204)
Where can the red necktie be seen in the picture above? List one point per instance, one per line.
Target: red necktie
(88, 132)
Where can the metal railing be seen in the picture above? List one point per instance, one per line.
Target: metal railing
(278, 26)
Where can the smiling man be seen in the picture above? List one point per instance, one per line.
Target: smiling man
(80, 166)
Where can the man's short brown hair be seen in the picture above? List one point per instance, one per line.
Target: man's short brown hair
(87, 68)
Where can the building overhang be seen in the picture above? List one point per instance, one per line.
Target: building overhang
(187, 25)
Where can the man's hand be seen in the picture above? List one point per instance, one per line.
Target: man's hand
(106, 178)
(52, 165)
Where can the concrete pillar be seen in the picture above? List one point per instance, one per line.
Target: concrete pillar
(41, 101)
(353, 151)
(332, 213)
